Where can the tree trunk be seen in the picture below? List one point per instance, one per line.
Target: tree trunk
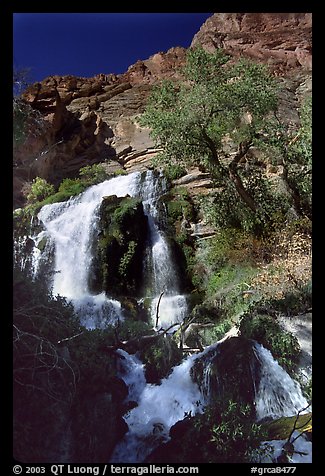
(235, 178)
(232, 169)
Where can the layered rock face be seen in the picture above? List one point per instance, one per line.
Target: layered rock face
(91, 120)
(281, 40)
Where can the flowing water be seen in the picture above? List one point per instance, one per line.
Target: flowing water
(278, 394)
(172, 307)
(159, 407)
(68, 228)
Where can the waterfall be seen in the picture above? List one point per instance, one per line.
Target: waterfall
(278, 394)
(69, 226)
(159, 408)
(172, 307)
(68, 230)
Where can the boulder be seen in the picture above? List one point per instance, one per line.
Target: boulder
(119, 247)
(230, 371)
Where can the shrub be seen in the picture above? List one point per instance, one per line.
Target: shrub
(93, 174)
(71, 187)
(174, 171)
(39, 190)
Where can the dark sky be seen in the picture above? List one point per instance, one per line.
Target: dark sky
(85, 44)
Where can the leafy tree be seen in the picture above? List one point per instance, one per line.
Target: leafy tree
(218, 101)
(293, 146)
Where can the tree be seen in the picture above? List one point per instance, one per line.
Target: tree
(217, 101)
(293, 145)
(27, 122)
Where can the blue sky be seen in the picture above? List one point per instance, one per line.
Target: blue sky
(85, 44)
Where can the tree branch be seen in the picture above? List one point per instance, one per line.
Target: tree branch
(235, 178)
(157, 310)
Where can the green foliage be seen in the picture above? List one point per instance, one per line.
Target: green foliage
(293, 147)
(223, 209)
(174, 171)
(225, 433)
(71, 187)
(93, 174)
(178, 209)
(307, 389)
(160, 358)
(39, 190)
(223, 267)
(265, 330)
(190, 119)
(126, 208)
(127, 258)
(89, 175)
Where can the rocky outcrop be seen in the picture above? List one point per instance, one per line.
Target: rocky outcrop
(162, 65)
(119, 247)
(89, 120)
(281, 40)
(229, 371)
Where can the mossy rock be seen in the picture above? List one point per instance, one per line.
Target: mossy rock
(233, 371)
(268, 332)
(160, 358)
(119, 247)
(280, 429)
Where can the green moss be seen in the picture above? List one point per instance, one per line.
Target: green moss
(160, 358)
(265, 329)
(119, 250)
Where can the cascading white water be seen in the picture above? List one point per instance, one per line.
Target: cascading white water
(69, 225)
(173, 306)
(278, 394)
(159, 407)
(131, 370)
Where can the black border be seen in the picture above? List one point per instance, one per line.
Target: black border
(6, 189)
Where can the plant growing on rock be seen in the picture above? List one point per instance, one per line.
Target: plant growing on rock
(39, 190)
(266, 330)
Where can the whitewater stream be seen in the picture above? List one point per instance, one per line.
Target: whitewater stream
(68, 228)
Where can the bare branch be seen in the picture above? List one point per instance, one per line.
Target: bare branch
(157, 311)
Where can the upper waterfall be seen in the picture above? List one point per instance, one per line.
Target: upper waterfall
(70, 225)
(172, 307)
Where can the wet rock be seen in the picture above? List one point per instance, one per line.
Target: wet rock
(119, 246)
(231, 370)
